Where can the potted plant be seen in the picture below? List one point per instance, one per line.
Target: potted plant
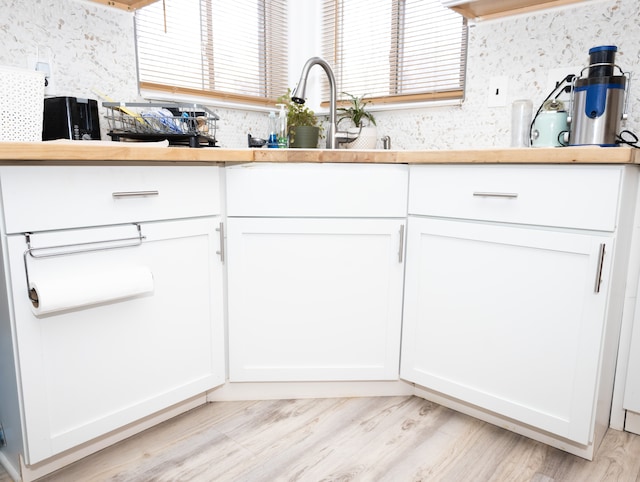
(363, 122)
(302, 124)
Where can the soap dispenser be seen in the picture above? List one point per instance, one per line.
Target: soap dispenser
(273, 131)
(283, 138)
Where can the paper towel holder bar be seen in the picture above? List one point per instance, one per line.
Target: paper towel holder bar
(86, 247)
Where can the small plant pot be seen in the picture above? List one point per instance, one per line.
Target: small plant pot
(304, 137)
(367, 139)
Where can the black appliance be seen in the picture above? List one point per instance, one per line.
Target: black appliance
(70, 118)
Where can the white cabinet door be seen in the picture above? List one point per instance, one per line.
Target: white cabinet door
(507, 319)
(314, 299)
(90, 370)
(631, 401)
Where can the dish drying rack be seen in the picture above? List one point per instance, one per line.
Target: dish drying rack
(181, 124)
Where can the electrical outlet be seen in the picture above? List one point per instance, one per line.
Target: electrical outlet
(498, 91)
(555, 76)
(45, 67)
(41, 62)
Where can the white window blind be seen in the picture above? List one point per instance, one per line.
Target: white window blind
(395, 50)
(232, 50)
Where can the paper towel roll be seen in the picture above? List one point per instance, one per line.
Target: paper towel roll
(55, 292)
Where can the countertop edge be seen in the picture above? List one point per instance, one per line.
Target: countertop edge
(82, 153)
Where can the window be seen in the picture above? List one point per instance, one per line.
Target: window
(230, 50)
(395, 50)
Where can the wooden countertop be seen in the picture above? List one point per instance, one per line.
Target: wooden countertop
(107, 152)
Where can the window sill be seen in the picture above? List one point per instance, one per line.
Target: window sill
(153, 95)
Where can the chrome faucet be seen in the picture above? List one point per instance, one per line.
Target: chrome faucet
(298, 96)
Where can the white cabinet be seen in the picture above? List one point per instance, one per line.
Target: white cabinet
(314, 299)
(629, 388)
(507, 318)
(631, 402)
(60, 197)
(315, 271)
(509, 306)
(87, 370)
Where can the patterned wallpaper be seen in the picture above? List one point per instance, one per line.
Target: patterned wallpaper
(526, 49)
(91, 49)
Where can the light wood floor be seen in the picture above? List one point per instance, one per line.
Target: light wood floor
(345, 439)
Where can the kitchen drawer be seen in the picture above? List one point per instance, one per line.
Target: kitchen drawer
(583, 197)
(39, 198)
(317, 190)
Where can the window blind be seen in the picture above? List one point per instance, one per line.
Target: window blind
(395, 50)
(231, 50)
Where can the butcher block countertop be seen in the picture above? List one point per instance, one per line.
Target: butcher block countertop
(107, 152)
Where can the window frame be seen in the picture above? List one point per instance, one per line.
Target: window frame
(267, 59)
(391, 100)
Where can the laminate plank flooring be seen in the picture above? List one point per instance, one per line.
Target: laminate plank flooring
(344, 439)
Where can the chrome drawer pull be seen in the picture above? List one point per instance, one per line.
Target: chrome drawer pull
(220, 229)
(401, 248)
(121, 194)
(511, 195)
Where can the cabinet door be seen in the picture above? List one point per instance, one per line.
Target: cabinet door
(507, 319)
(90, 370)
(314, 299)
(631, 401)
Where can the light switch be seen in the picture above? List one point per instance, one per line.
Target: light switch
(498, 91)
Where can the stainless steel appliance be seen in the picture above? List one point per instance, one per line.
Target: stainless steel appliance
(598, 101)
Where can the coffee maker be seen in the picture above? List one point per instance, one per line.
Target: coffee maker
(599, 100)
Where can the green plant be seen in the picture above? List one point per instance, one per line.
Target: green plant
(356, 112)
(297, 114)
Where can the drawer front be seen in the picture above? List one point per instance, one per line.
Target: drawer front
(40, 198)
(317, 190)
(582, 197)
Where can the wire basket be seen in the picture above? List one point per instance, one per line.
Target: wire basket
(180, 124)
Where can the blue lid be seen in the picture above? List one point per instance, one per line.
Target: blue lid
(603, 48)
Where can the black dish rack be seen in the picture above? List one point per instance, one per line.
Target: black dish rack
(181, 124)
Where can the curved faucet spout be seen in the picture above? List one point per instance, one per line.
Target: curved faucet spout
(298, 96)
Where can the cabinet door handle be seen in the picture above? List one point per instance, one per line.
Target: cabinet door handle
(601, 253)
(121, 194)
(511, 195)
(220, 229)
(401, 249)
